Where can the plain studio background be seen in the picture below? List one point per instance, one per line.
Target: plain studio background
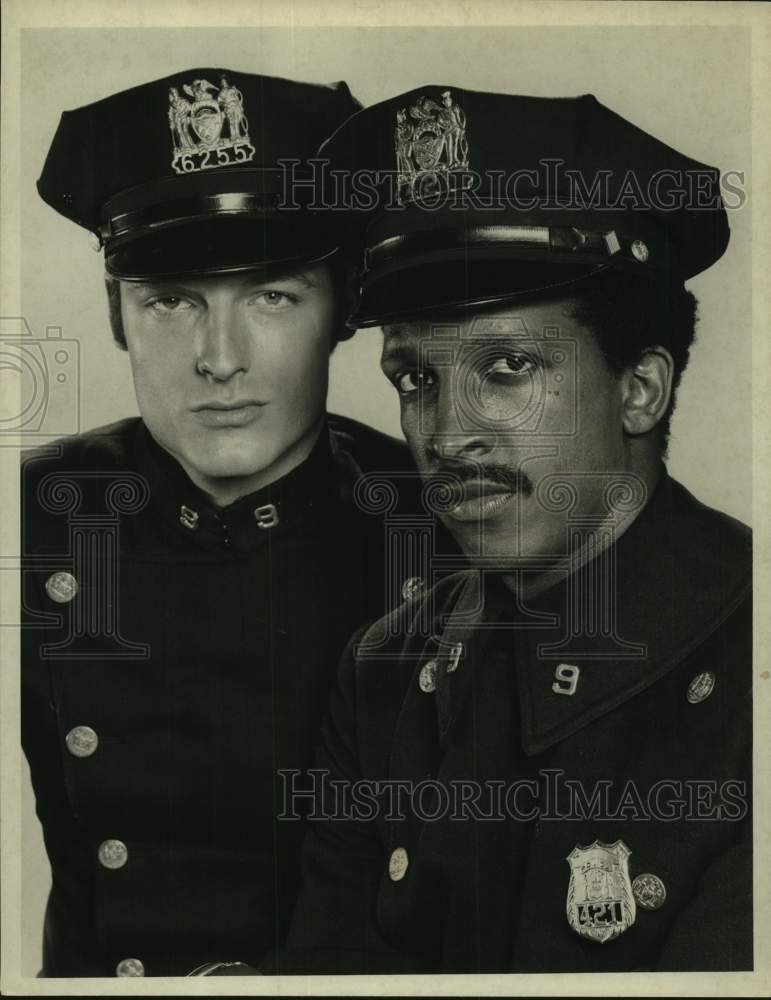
(689, 87)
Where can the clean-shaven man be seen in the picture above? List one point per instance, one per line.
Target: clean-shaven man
(191, 575)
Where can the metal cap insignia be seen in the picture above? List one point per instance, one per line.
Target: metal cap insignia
(431, 147)
(600, 903)
(211, 130)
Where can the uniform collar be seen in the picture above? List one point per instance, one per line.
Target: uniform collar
(677, 573)
(303, 497)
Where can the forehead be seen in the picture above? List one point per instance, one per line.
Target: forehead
(543, 320)
(309, 276)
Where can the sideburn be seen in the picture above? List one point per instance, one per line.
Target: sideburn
(112, 286)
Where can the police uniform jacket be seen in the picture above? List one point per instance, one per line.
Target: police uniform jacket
(649, 758)
(175, 657)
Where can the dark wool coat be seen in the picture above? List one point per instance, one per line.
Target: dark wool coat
(650, 756)
(161, 698)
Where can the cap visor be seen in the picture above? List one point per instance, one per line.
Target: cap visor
(216, 246)
(442, 287)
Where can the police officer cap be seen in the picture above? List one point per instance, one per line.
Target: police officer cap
(469, 198)
(182, 176)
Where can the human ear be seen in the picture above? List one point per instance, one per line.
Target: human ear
(647, 389)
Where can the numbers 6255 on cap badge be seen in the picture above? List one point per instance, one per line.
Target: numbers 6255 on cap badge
(211, 129)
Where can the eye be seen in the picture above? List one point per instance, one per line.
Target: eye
(511, 365)
(273, 299)
(164, 305)
(412, 379)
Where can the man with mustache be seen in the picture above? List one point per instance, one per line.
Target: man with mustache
(191, 576)
(543, 764)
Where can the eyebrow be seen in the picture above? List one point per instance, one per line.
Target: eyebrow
(399, 331)
(249, 278)
(301, 276)
(161, 284)
(404, 351)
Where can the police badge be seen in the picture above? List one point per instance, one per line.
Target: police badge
(600, 903)
(431, 149)
(208, 131)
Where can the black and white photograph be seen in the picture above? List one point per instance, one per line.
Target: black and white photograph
(384, 449)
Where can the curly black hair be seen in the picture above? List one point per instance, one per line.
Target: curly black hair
(627, 314)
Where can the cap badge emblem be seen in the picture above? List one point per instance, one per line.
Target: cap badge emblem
(210, 129)
(600, 903)
(431, 146)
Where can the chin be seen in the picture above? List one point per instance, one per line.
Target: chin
(230, 463)
(507, 542)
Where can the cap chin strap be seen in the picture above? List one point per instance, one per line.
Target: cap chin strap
(275, 267)
(357, 322)
(545, 238)
(117, 225)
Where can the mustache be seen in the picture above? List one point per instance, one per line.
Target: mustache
(515, 480)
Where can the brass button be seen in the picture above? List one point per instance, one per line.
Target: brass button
(113, 854)
(701, 687)
(81, 741)
(398, 864)
(639, 251)
(61, 587)
(427, 677)
(129, 967)
(649, 891)
(412, 586)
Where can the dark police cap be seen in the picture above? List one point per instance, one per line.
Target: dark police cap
(182, 175)
(470, 198)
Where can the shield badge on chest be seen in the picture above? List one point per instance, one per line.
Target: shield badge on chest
(600, 903)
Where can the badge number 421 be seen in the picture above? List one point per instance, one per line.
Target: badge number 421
(223, 156)
(600, 914)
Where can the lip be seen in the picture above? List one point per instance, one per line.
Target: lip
(237, 414)
(481, 500)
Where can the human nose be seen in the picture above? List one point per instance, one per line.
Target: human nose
(455, 426)
(221, 348)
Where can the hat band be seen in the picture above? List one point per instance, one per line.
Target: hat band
(186, 209)
(549, 238)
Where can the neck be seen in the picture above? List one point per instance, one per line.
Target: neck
(607, 532)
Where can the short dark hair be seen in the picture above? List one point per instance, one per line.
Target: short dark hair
(341, 272)
(627, 315)
(113, 305)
